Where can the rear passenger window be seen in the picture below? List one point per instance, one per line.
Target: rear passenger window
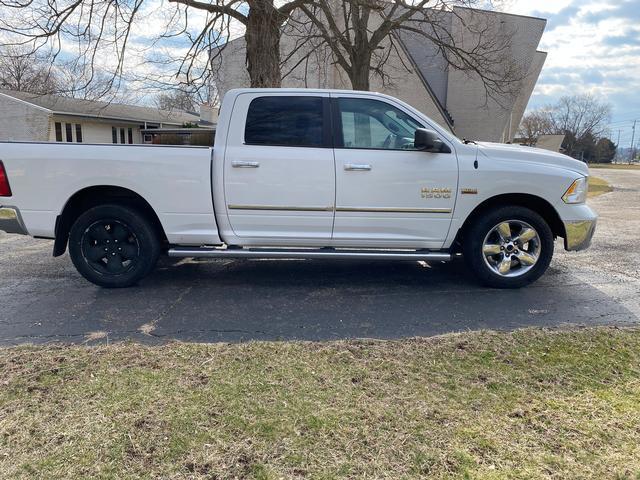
(285, 121)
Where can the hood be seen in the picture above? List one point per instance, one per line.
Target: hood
(518, 153)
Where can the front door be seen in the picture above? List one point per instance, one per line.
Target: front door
(279, 170)
(387, 193)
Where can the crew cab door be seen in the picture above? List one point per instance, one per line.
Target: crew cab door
(279, 170)
(387, 193)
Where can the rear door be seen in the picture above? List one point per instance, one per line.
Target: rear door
(279, 169)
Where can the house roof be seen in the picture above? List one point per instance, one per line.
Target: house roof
(96, 109)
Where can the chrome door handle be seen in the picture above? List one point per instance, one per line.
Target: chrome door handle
(237, 164)
(357, 166)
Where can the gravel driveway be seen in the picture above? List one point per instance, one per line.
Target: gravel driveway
(44, 300)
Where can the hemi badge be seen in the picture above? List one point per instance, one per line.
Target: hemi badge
(469, 191)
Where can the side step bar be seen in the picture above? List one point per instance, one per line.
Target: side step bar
(309, 253)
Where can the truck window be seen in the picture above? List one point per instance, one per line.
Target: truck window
(375, 124)
(285, 121)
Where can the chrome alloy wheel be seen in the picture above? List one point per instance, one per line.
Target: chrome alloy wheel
(511, 248)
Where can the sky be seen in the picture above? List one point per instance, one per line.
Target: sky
(593, 47)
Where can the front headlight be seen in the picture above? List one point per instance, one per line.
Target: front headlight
(577, 192)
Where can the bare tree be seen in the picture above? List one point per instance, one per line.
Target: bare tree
(583, 120)
(25, 72)
(363, 34)
(534, 124)
(581, 115)
(104, 29)
(179, 99)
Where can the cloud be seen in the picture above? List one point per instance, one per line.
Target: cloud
(625, 9)
(593, 47)
(630, 38)
(563, 17)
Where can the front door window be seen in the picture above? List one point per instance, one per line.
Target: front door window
(371, 124)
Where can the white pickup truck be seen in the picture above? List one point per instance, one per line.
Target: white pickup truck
(301, 174)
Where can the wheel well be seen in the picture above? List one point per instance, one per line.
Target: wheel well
(537, 204)
(91, 197)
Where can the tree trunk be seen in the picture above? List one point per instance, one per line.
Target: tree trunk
(263, 44)
(359, 73)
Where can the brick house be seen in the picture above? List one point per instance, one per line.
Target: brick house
(453, 98)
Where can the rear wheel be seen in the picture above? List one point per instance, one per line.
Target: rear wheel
(113, 246)
(509, 248)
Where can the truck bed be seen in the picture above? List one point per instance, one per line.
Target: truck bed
(174, 180)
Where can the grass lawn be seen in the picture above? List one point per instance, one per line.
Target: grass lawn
(616, 166)
(598, 186)
(530, 404)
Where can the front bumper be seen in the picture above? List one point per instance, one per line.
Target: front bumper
(11, 221)
(579, 234)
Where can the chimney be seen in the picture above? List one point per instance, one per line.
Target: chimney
(208, 113)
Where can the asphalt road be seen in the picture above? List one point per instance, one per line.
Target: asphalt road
(43, 299)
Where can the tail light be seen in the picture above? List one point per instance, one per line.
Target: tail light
(5, 189)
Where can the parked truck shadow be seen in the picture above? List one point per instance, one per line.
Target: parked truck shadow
(243, 300)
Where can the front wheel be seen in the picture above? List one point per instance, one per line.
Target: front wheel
(510, 247)
(113, 246)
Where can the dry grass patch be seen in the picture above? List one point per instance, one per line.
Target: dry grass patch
(598, 186)
(616, 166)
(529, 404)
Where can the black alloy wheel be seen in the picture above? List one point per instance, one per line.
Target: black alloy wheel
(114, 245)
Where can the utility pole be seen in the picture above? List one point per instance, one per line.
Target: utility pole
(633, 138)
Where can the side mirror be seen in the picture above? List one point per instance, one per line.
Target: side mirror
(428, 141)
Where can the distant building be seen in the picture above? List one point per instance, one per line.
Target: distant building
(454, 99)
(550, 142)
(51, 118)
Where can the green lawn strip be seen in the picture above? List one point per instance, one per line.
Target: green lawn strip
(528, 404)
(598, 186)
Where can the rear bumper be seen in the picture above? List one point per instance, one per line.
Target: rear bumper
(579, 233)
(11, 221)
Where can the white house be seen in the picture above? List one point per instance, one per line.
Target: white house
(51, 118)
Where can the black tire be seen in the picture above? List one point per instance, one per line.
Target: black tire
(484, 225)
(113, 246)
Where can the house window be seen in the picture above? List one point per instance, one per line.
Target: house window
(130, 135)
(69, 131)
(122, 135)
(114, 135)
(58, 132)
(78, 133)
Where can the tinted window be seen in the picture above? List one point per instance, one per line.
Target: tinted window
(78, 133)
(58, 132)
(114, 134)
(375, 124)
(69, 129)
(287, 121)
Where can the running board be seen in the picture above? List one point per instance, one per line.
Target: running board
(271, 253)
